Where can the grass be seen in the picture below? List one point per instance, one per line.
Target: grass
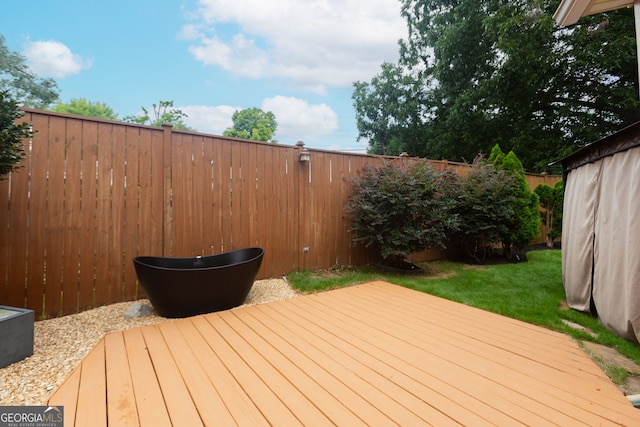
(530, 291)
(617, 374)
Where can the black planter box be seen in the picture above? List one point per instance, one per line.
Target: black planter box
(16, 334)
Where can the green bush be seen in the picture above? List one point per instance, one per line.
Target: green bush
(403, 207)
(11, 134)
(485, 207)
(406, 206)
(524, 225)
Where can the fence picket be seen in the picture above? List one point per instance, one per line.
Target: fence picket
(35, 210)
(72, 216)
(89, 148)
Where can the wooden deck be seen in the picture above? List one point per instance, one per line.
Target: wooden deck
(374, 354)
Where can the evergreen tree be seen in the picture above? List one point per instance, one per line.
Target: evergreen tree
(524, 225)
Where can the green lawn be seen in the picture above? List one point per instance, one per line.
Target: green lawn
(530, 291)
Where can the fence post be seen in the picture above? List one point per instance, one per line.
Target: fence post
(167, 139)
(303, 170)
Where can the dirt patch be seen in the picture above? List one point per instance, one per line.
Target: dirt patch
(611, 356)
(326, 274)
(331, 273)
(432, 272)
(440, 275)
(474, 267)
(624, 372)
(611, 361)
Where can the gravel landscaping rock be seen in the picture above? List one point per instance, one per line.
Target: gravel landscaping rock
(61, 343)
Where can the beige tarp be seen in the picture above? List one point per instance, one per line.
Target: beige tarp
(578, 227)
(616, 290)
(601, 241)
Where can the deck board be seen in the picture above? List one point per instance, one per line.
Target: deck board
(559, 392)
(91, 408)
(150, 403)
(397, 362)
(521, 359)
(210, 406)
(67, 396)
(121, 408)
(371, 354)
(243, 410)
(275, 411)
(392, 386)
(307, 358)
(301, 407)
(181, 407)
(380, 412)
(300, 377)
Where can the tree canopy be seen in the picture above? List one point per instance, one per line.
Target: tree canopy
(24, 87)
(253, 123)
(163, 112)
(82, 107)
(11, 134)
(473, 74)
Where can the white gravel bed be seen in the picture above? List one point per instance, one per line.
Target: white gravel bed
(61, 343)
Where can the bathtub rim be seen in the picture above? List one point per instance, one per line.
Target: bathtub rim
(139, 260)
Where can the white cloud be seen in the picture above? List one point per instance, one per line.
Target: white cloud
(209, 119)
(315, 43)
(189, 32)
(213, 51)
(53, 59)
(297, 119)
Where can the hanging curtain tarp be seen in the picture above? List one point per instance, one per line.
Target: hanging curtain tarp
(601, 231)
(578, 224)
(616, 289)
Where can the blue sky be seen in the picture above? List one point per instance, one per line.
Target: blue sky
(296, 58)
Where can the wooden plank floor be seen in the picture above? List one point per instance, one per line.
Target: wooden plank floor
(374, 354)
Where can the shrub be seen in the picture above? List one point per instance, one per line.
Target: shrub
(485, 207)
(403, 207)
(524, 225)
(11, 134)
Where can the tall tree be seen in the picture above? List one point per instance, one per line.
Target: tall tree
(501, 72)
(390, 111)
(24, 87)
(82, 107)
(163, 112)
(253, 123)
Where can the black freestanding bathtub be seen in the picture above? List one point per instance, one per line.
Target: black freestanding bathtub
(182, 287)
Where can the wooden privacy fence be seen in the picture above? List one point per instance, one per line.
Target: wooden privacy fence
(92, 194)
